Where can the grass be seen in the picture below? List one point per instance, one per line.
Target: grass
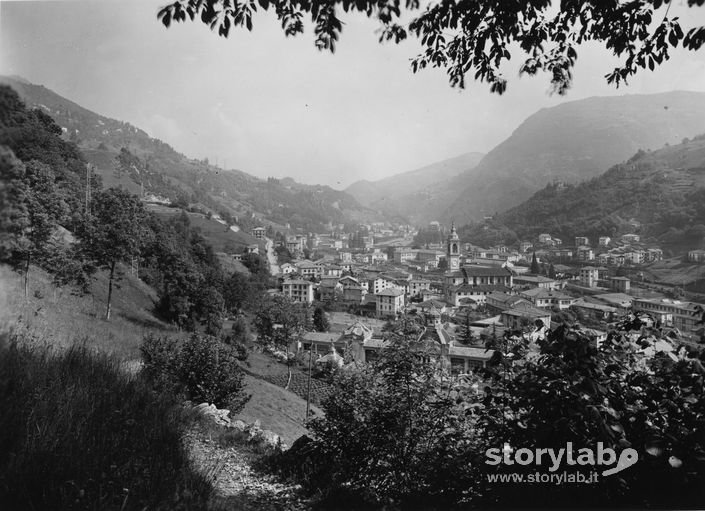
(277, 409)
(78, 432)
(217, 234)
(58, 314)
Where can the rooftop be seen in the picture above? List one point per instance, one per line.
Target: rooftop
(391, 292)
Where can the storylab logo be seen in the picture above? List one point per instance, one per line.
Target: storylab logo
(604, 457)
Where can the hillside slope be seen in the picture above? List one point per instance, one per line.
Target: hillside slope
(658, 194)
(415, 195)
(158, 168)
(572, 142)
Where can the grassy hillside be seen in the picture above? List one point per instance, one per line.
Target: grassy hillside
(58, 316)
(221, 237)
(573, 142)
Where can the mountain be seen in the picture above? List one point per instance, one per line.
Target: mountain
(414, 195)
(124, 155)
(657, 194)
(571, 142)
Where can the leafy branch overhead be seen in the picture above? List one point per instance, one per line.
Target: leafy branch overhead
(478, 37)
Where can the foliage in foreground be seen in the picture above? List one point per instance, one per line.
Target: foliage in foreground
(480, 37)
(202, 369)
(78, 432)
(394, 435)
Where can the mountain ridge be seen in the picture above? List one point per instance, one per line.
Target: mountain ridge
(658, 194)
(573, 141)
(408, 194)
(157, 168)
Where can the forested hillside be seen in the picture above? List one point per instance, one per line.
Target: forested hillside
(573, 142)
(127, 156)
(659, 194)
(47, 221)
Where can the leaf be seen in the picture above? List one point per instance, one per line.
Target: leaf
(675, 462)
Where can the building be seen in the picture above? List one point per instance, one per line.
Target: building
(453, 250)
(594, 311)
(498, 302)
(630, 238)
(679, 314)
(529, 281)
(298, 290)
(330, 288)
(487, 275)
(585, 253)
(544, 238)
(525, 246)
(619, 284)
(404, 254)
(478, 294)
(582, 241)
(430, 257)
(378, 284)
(604, 241)
(696, 256)
(307, 268)
(389, 302)
(418, 285)
(588, 276)
(547, 298)
(354, 294)
(524, 315)
(258, 232)
(287, 268)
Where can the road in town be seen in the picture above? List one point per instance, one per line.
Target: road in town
(272, 257)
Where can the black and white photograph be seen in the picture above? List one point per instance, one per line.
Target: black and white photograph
(312, 255)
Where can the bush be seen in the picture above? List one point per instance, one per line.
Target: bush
(202, 369)
(209, 371)
(78, 432)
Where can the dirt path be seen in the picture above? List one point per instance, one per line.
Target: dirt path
(272, 258)
(238, 485)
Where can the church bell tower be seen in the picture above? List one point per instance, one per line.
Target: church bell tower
(453, 249)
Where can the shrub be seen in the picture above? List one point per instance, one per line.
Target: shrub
(390, 434)
(78, 432)
(202, 369)
(160, 362)
(209, 371)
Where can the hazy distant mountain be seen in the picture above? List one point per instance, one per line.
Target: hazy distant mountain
(658, 194)
(150, 163)
(572, 142)
(417, 194)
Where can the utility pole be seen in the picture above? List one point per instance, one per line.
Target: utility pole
(88, 189)
(308, 391)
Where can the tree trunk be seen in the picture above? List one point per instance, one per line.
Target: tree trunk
(26, 277)
(110, 290)
(288, 369)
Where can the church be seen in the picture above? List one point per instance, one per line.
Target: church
(471, 282)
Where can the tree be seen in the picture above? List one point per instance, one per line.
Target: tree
(479, 37)
(280, 322)
(44, 208)
(13, 210)
(392, 433)
(320, 320)
(535, 268)
(113, 233)
(575, 392)
(237, 291)
(464, 333)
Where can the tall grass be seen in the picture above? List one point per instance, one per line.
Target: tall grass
(78, 432)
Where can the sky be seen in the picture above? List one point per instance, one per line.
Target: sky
(276, 106)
